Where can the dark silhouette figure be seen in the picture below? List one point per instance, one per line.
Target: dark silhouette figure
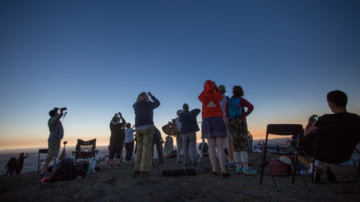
(20, 163)
(11, 166)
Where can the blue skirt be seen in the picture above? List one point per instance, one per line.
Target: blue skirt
(213, 127)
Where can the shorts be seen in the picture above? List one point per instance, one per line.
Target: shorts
(213, 127)
(53, 148)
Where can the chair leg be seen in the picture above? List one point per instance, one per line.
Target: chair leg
(262, 168)
(296, 170)
(268, 167)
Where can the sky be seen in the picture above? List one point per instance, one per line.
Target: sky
(96, 57)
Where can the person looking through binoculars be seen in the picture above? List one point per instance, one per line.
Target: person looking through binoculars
(56, 134)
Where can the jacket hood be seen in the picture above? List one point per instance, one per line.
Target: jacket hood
(209, 86)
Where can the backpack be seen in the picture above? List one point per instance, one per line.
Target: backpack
(278, 167)
(234, 108)
(63, 170)
(81, 169)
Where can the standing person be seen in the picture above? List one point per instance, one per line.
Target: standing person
(144, 124)
(157, 141)
(56, 134)
(213, 125)
(239, 130)
(20, 162)
(179, 137)
(129, 142)
(11, 166)
(116, 139)
(189, 127)
(232, 164)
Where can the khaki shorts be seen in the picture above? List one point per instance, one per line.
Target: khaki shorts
(54, 148)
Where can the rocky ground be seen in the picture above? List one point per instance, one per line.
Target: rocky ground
(121, 185)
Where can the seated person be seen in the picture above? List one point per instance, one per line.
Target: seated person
(169, 145)
(205, 149)
(337, 101)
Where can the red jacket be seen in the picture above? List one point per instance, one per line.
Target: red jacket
(210, 98)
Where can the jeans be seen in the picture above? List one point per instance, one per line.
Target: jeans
(189, 146)
(129, 150)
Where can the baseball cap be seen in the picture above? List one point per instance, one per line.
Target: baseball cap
(222, 88)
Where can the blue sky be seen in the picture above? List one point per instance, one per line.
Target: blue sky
(95, 57)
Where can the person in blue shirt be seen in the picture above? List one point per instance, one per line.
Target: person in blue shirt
(189, 127)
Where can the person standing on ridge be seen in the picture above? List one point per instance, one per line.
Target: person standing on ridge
(144, 112)
(116, 139)
(129, 142)
(20, 163)
(189, 127)
(239, 130)
(213, 127)
(56, 135)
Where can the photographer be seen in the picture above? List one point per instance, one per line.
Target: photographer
(116, 139)
(56, 134)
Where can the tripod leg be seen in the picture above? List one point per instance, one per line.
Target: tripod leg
(202, 146)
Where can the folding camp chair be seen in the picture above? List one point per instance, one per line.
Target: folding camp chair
(85, 149)
(41, 161)
(333, 144)
(281, 129)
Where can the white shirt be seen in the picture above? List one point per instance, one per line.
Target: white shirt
(223, 105)
(129, 135)
(178, 123)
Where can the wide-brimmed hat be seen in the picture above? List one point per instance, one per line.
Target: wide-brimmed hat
(53, 111)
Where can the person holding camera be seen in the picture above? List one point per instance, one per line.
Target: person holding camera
(20, 162)
(144, 112)
(129, 142)
(213, 127)
(116, 139)
(56, 134)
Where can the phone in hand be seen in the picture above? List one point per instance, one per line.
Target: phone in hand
(316, 117)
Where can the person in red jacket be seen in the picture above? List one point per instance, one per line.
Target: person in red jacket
(213, 126)
(238, 129)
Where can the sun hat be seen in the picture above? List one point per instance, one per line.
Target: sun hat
(222, 88)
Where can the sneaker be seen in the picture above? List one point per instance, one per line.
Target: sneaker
(111, 166)
(232, 165)
(145, 173)
(249, 171)
(239, 171)
(118, 166)
(224, 175)
(137, 172)
(330, 175)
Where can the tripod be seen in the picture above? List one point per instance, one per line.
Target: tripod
(201, 151)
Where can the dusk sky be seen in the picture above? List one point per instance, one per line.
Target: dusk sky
(95, 57)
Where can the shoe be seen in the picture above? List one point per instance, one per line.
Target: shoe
(111, 166)
(232, 165)
(214, 173)
(118, 166)
(239, 171)
(145, 173)
(224, 175)
(179, 162)
(187, 164)
(137, 172)
(194, 163)
(330, 175)
(249, 171)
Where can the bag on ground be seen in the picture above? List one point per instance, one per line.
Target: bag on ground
(278, 167)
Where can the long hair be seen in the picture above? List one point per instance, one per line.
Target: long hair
(142, 97)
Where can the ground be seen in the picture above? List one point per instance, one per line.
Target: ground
(121, 185)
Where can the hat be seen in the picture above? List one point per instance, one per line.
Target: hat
(53, 111)
(179, 112)
(222, 88)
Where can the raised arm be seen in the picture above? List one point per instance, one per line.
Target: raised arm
(56, 118)
(155, 102)
(196, 111)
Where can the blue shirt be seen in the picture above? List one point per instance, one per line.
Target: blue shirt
(188, 121)
(144, 111)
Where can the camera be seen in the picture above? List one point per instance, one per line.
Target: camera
(64, 108)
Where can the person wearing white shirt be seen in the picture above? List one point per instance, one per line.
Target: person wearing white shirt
(129, 141)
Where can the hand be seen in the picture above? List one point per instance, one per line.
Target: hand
(150, 94)
(312, 120)
(62, 109)
(169, 122)
(119, 114)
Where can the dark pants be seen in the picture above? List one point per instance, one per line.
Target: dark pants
(115, 149)
(129, 150)
(19, 168)
(157, 141)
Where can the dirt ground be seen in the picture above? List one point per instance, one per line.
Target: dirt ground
(121, 185)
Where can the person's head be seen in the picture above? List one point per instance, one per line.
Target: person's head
(173, 121)
(115, 119)
(186, 107)
(179, 112)
(238, 91)
(21, 154)
(128, 125)
(337, 100)
(222, 89)
(142, 97)
(53, 112)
